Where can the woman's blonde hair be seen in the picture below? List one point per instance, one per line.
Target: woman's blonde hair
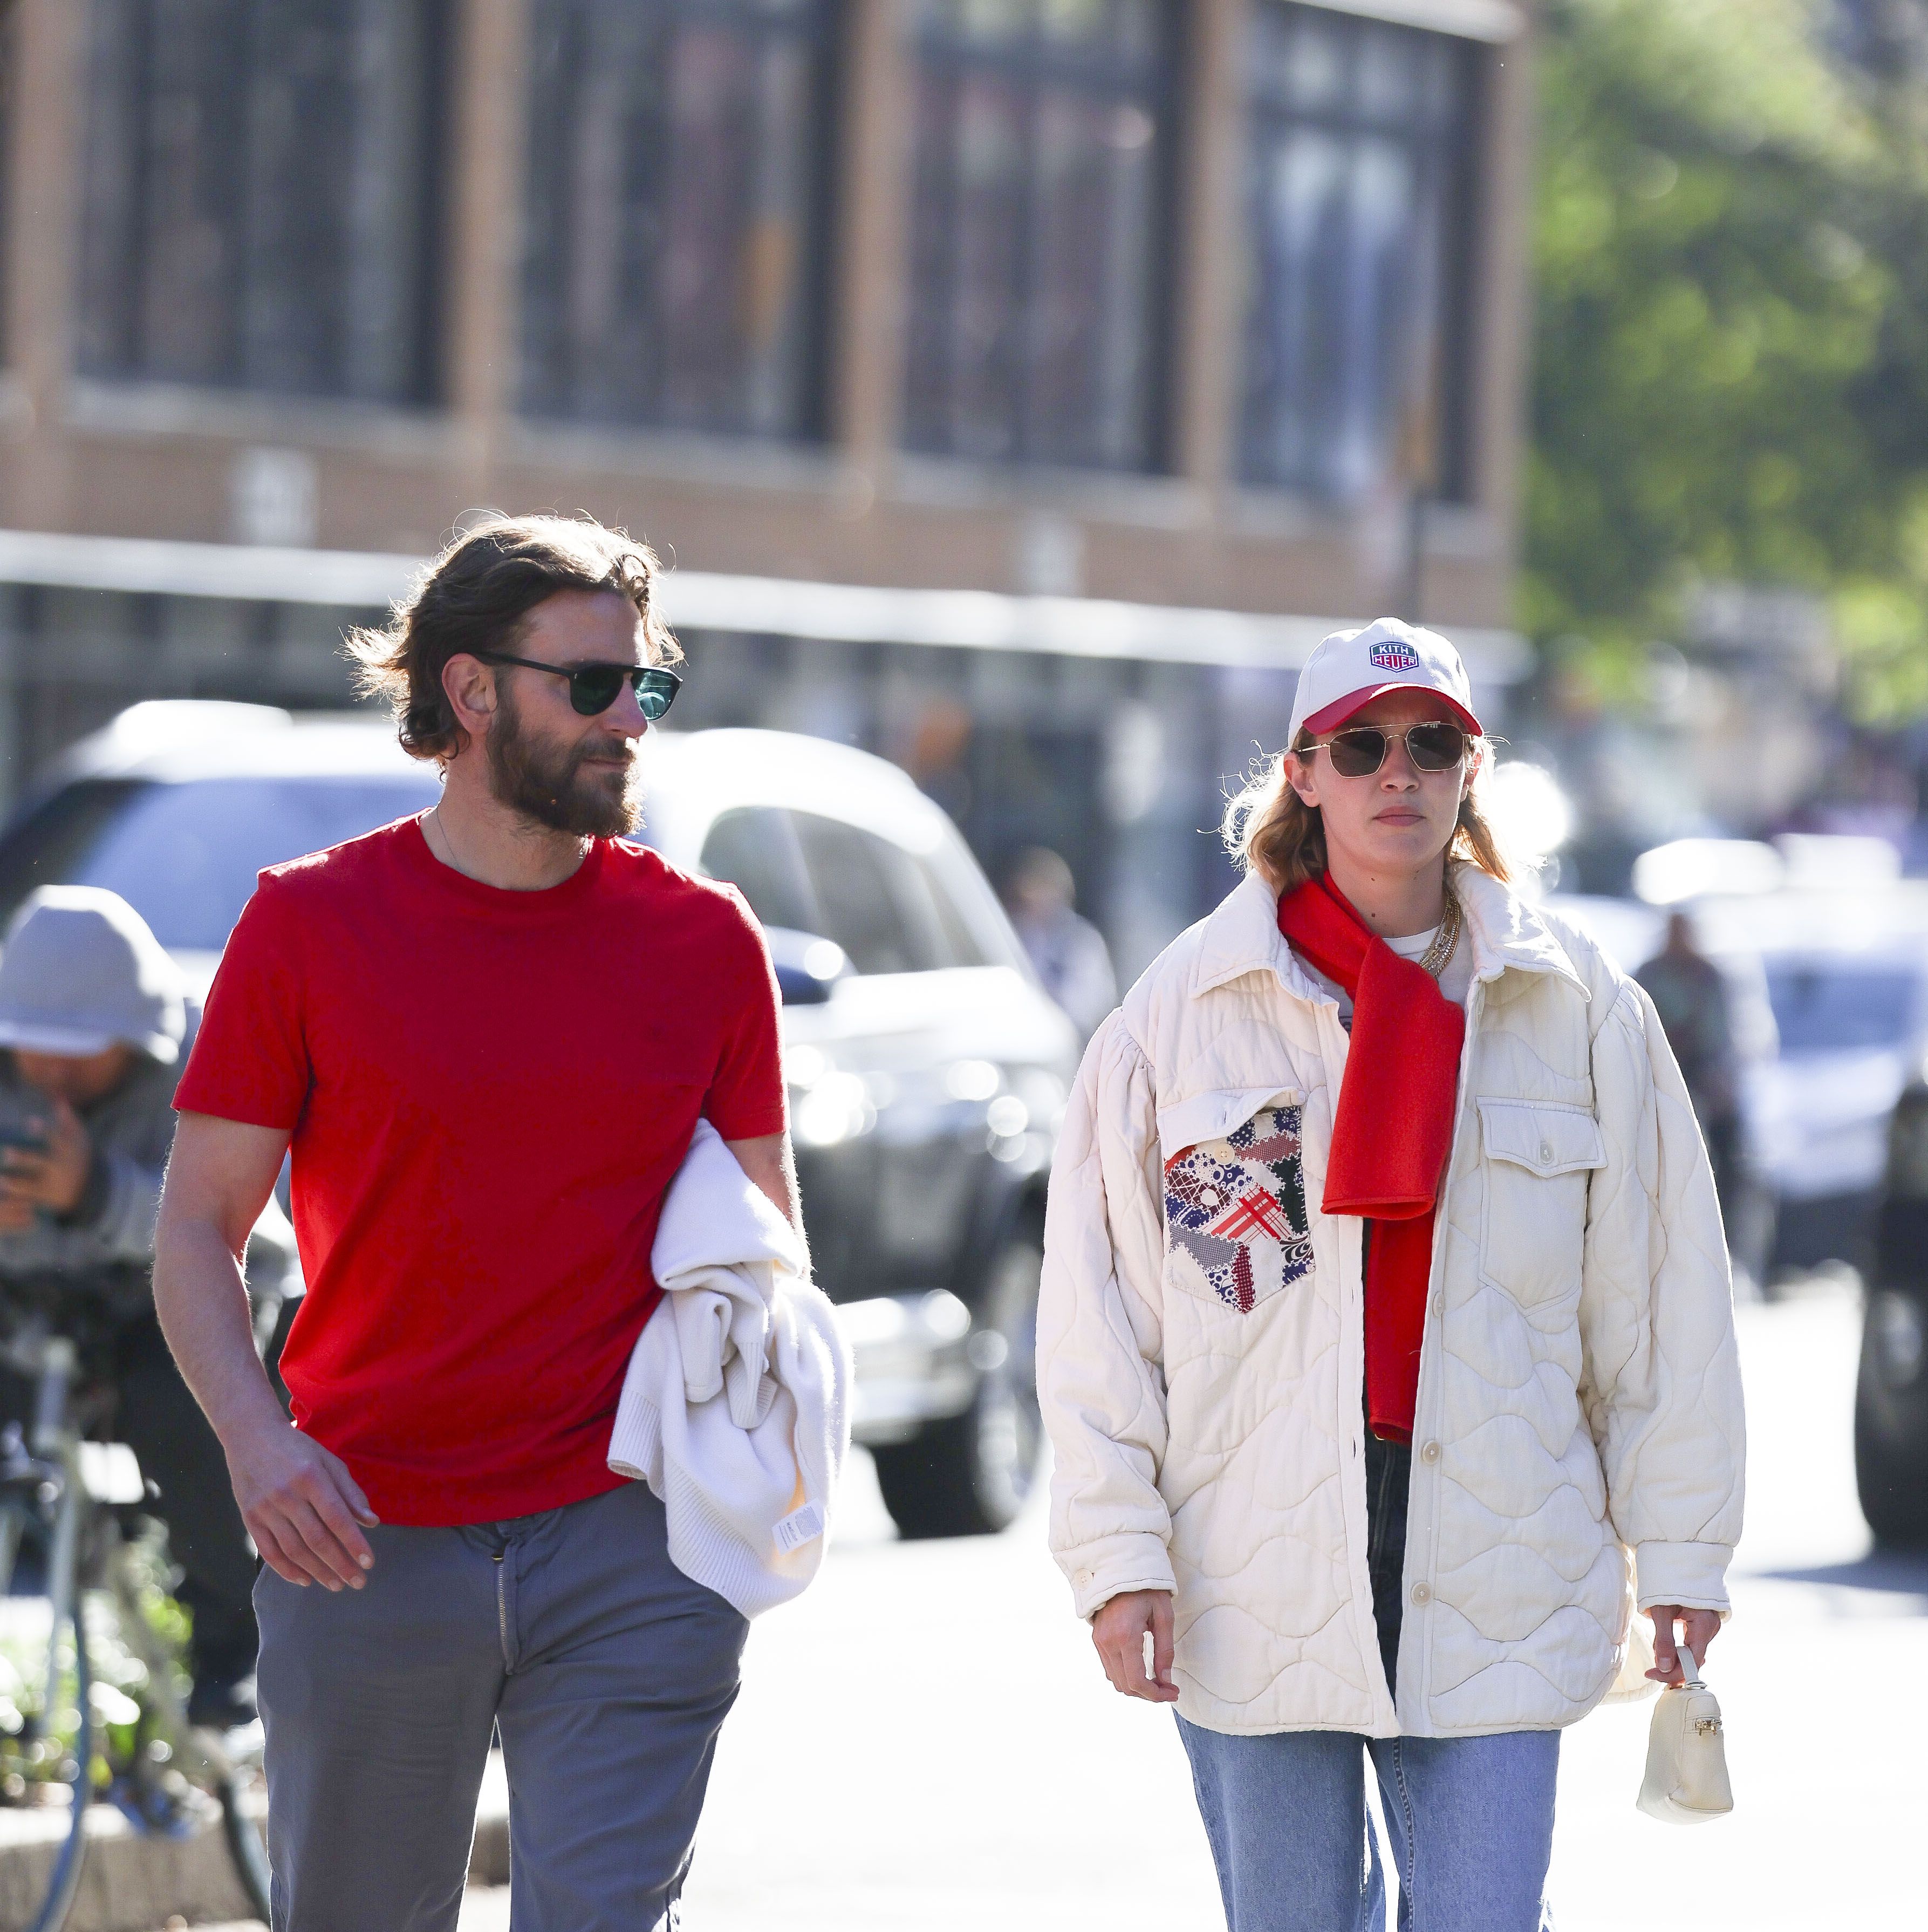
(1269, 827)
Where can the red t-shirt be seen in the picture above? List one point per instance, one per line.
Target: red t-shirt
(489, 1092)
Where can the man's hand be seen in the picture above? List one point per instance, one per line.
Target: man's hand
(1699, 1629)
(303, 1510)
(1119, 1631)
(55, 1179)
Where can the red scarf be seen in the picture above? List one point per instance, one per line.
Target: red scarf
(1391, 1131)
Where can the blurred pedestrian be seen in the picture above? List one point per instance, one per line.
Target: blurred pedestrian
(1691, 995)
(1280, 1258)
(1069, 952)
(92, 1022)
(489, 1032)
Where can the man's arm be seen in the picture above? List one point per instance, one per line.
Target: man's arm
(771, 1162)
(302, 1508)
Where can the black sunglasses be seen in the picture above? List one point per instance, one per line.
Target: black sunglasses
(1359, 753)
(594, 688)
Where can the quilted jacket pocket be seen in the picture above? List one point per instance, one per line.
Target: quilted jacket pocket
(1538, 1157)
(1235, 1224)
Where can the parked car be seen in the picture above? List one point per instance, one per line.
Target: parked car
(1845, 969)
(928, 1068)
(1853, 1028)
(1891, 1390)
(1830, 1002)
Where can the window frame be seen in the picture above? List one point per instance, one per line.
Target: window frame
(1454, 158)
(1033, 65)
(536, 385)
(126, 244)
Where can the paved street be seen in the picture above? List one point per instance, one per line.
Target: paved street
(924, 1742)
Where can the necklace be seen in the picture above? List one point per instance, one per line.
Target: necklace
(1435, 956)
(432, 816)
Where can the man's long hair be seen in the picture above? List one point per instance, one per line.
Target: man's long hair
(475, 597)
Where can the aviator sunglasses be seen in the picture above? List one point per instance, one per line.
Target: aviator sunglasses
(1358, 754)
(594, 688)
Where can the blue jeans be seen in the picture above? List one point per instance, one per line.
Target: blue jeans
(1471, 1821)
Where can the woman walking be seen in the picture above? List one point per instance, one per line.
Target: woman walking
(1386, 1341)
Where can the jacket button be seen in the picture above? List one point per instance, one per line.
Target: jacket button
(1439, 1304)
(1421, 1594)
(1430, 1453)
(1546, 1152)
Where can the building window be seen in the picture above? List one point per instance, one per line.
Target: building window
(261, 194)
(1359, 207)
(1041, 132)
(675, 202)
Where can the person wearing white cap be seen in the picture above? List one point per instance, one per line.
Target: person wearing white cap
(1386, 1338)
(92, 1025)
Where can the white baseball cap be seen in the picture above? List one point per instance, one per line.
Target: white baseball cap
(1350, 668)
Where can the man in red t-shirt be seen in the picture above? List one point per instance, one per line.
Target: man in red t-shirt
(486, 1034)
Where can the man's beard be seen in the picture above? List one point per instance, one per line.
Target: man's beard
(551, 786)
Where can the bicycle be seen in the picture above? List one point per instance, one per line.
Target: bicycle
(164, 1772)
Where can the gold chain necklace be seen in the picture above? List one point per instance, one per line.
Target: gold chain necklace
(1435, 956)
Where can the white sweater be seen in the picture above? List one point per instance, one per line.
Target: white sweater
(735, 1410)
(1578, 1442)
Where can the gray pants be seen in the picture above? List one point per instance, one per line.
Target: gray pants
(609, 1672)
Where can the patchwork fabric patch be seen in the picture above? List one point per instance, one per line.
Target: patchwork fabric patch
(1235, 1211)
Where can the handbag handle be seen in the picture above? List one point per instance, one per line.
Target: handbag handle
(1692, 1667)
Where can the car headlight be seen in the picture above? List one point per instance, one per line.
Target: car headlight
(972, 1080)
(838, 1108)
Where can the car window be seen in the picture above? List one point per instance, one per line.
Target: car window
(962, 946)
(184, 856)
(975, 925)
(755, 848)
(43, 848)
(876, 904)
(1821, 1007)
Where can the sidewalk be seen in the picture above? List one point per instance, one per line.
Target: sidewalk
(924, 1742)
(132, 1883)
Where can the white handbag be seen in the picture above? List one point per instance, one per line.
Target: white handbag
(1686, 1754)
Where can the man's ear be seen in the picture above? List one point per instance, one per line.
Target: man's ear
(469, 685)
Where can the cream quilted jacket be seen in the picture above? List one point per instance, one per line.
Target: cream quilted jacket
(1579, 1434)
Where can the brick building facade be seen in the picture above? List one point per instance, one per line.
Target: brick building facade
(1018, 386)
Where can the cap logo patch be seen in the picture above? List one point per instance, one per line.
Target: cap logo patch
(1392, 655)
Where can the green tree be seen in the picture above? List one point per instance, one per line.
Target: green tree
(1731, 371)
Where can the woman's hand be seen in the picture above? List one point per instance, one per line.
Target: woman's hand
(1119, 1631)
(1699, 1629)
